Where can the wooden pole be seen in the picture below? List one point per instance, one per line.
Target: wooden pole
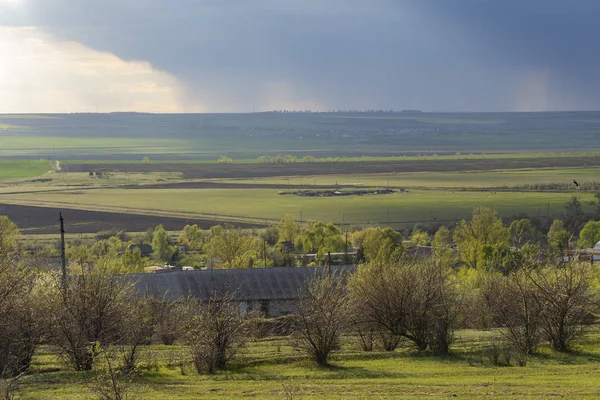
(63, 256)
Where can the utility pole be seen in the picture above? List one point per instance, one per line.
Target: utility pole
(63, 256)
(346, 233)
(265, 243)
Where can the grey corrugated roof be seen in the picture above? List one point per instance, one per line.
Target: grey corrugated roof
(248, 284)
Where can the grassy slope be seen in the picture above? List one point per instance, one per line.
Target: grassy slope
(268, 364)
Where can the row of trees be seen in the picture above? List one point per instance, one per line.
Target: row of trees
(420, 304)
(481, 241)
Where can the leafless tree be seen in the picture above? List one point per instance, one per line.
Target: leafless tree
(323, 316)
(169, 317)
(20, 320)
(110, 383)
(511, 301)
(566, 299)
(217, 330)
(412, 299)
(138, 322)
(379, 299)
(89, 310)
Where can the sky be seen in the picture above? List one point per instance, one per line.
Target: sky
(258, 55)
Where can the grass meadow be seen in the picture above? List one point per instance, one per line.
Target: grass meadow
(271, 369)
(260, 204)
(430, 196)
(468, 179)
(13, 169)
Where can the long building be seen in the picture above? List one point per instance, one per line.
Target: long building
(273, 291)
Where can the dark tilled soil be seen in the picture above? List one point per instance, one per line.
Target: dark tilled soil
(37, 220)
(256, 170)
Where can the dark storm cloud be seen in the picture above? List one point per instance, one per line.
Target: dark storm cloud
(428, 54)
(559, 36)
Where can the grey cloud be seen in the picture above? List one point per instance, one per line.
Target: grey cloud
(428, 54)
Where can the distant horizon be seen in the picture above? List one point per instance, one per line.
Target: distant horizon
(366, 111)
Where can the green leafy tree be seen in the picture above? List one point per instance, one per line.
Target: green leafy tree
(232, 246)
(191, 237)
(420, 238)
(558, 236)
(442, 238)
(474, 237)
(265, 159)
(321, 237)
(224, 160)
(288, 229)
(522, 232)
(379, 245)
(163, 251)
(9, 233)
(589, 235)
(442, 246)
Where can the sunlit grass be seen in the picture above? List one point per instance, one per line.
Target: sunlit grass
(262, 370)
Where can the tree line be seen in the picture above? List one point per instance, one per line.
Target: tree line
(483, 239)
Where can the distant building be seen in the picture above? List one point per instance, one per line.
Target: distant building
(287, 246)
(591, 255)
(272, 291)
(145, 249)
(348, 257)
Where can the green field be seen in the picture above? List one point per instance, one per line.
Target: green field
(260, 204)
(11, 169)
(333, 134)
(54, 146)
(268, 365)
(443, 197)
(470, 179)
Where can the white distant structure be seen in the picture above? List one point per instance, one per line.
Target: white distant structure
(592, 255)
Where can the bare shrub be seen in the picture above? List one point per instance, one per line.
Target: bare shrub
(168, 320)
(565, 296)
(110, 383)
(218, 329)
(388, 341)
(323, 315)
(9, 387)
(290, 391)
(137, 328)
(380, 299)
(89, 310)
(412, 299)
(513, 307)
(499, 353)
(366, 335)
(21, 321)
